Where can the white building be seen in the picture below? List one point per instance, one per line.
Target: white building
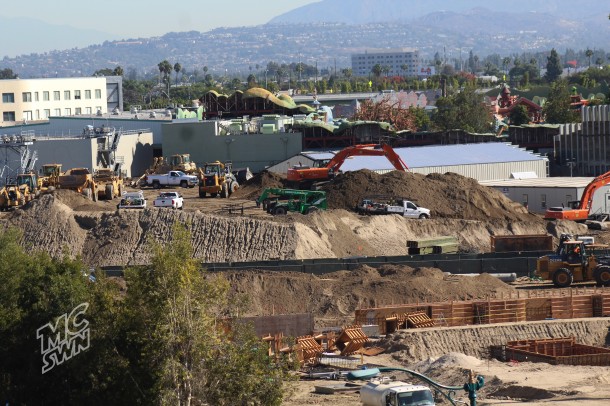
(27, 100)
(395, 59)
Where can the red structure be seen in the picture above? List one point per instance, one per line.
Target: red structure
(506, 103)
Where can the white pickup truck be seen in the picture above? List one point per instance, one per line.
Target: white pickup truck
(169, 199)
(403, 207)
(173, 178)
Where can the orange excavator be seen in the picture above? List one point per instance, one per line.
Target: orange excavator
(579, 210)
(305, 177)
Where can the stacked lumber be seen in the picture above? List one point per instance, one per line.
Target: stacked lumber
(437, 245)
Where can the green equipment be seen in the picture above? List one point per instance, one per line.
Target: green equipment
(280, 201)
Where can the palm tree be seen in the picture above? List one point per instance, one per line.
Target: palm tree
(505, 63)
(404, 67)
(386, 69)
(177, 69)
(377, 70)
(589, 54)
(165, 69)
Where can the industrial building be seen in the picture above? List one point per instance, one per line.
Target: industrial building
(482, 161)
(28, 100)
(540, 194)
(395, 59)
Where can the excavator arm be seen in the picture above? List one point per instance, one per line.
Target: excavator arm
(581, 212)
(300, 175)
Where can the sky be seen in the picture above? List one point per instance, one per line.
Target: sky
(148, 18)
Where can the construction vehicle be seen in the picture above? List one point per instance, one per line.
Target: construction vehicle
(574, 262)
(48, 180)
(386, 392)
(579, 210)
(385, 205)
(28, 184)
(172, 178)
(280, 201)
(13, 195)
(217, 178)
(182, 162)
(305, 177)
(109, 184)
(80, 180)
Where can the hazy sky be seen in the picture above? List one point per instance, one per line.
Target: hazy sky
(146, 18)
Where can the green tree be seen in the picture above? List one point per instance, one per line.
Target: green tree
(464, 110)
(165, 70)
(184, 355)
(118, 71)
(7, 74)
(589, 54)
(519, 115)
(377, 70)
(557, 109)
(553, 67)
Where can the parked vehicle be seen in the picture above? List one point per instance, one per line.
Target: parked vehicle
(172, 178)
(132, 200)
(385, 205)
(280, 201)
(169, 199)
(109, 184)
(384, 393)
(80, 180)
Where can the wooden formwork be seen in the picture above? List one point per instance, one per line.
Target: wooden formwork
(351, 340)
(418, 320)
(557, 351)
(500, 311)
(307, 349)
(557, 304)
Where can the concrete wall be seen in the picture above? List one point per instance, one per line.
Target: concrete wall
(70, 152)
(135, 149)
(291, 325)
(256, 151)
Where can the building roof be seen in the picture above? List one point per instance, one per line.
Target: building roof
(438, 155)
(555, 182)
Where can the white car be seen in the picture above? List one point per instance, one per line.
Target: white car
(169, 199)
(132, 200)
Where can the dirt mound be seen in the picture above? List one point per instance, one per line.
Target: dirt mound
(253, 187)
(334, 297)
(447, 195)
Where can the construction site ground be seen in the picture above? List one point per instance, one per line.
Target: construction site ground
(65, 222)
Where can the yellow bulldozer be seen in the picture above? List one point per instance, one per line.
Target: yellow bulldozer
(48, 180)
(182, 162)
(216, 178)
(108, 184)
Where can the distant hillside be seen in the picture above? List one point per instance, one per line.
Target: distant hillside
(369, 11)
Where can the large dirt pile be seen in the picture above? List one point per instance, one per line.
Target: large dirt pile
(253, 187)
(334, 297)
(447, 195)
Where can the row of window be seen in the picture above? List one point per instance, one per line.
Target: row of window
(46, 96)
(525, 199)
(46, 113)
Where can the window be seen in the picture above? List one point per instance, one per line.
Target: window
(77, 111)
(77, 95)
(27, 96)
(87, 94)
(46, 113)
(8, 97)
(543, 201)
(36, 96)
(27, 115)
(57, 112)
(67, 112)
(66, 95)
(98, 93)
(37, 114)
(87, 110)
(45, 96)
(8, 116)
(56, 95)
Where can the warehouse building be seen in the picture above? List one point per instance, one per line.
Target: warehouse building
(482, 161)
(541, 194)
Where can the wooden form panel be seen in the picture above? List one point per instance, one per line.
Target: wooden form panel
(557, 351)
(504, 311)
(572, 307)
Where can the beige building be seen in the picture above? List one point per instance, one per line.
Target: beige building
(27, 100)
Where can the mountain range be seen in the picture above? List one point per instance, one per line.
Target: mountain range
(328, 32)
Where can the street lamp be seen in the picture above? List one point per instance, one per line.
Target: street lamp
(474, 382)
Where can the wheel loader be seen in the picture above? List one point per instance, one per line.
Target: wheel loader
(574, 261)
(109, 185)
(48, 180)
(13, 195)
(216, 178)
